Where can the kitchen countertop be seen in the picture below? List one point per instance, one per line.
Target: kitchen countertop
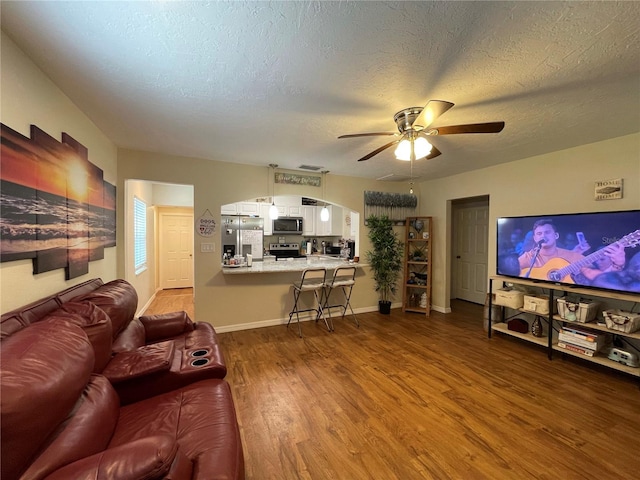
(295, 265)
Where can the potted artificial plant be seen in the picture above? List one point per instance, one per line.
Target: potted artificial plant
(385, 259)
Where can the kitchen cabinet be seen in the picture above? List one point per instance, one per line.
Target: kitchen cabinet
(332, 227)
(308, 220)
(268, 223)
(249, 208)
(230, 209)
(416, 290)
(294, 210)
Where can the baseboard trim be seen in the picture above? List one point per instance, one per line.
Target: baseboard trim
(148, 304)
(306, 317)
(441, 309)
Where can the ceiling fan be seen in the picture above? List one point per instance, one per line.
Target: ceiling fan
(414, 125)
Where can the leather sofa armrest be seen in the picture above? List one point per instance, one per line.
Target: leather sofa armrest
(148, 458)
(142, 361)
(166, 325)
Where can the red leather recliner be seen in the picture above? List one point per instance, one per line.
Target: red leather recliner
(60, 421)
(143, 356)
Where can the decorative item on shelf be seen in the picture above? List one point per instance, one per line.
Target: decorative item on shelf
(536, 327)
(571, 311)
(418, 255)
(518, 325)
(418, 225)
(423, 300)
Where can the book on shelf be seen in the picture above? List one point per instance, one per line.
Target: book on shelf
(581, 342)
(581, 334)
(574, 348)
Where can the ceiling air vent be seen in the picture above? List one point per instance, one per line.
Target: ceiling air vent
(312, 168)
(392, 177)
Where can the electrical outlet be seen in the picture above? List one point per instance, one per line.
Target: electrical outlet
(207, 247)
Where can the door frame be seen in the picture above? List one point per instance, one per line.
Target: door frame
(160, 211)
(455, 204)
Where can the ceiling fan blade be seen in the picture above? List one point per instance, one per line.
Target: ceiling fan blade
(373, 134)
(433, 153)
(378, 150)
(432, 110)
(491, 127)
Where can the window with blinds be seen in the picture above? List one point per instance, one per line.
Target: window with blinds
(139, 235)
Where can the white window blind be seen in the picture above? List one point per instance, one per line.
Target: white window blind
(139, 235)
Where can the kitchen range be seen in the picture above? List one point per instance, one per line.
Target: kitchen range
(285, 250)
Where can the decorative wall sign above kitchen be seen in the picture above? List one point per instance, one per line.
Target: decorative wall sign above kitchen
(295, 179)
(56, 207)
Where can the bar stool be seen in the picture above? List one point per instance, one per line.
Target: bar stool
(343, 278)
(313, 279)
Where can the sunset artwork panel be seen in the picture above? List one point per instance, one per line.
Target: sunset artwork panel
(56, 208)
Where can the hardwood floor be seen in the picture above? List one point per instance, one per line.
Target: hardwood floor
(409, 397)
(175, 299)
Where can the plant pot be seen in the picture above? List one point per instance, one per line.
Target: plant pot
(384, 307)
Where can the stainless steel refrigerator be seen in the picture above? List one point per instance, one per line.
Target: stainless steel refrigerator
(243, 234)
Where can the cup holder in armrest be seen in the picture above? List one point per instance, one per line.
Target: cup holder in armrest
(199, 353)
(199, 362)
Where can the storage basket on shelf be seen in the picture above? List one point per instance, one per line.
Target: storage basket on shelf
(582, 310)
(538, 304)
(509, 298)
(621, 321)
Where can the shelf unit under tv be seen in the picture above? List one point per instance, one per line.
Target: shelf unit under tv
(554, 321)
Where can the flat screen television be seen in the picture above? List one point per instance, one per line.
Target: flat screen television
(596, 250)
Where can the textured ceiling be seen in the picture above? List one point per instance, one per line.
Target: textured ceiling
(278, 82)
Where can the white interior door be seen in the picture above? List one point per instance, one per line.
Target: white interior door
(471, 233)
(176, 250)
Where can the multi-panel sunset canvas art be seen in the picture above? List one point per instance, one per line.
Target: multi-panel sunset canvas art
(56, 207)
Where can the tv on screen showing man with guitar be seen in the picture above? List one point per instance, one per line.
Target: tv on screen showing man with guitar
(547, 261)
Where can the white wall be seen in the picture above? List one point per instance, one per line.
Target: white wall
(28, 97)
(233, 301)
(559, 182)
(173, 195)
(145, 281)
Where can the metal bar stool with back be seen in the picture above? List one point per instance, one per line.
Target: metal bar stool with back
(343, 278)
(313, 279)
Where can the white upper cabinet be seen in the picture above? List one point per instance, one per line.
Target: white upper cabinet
(333, 227)
(308, 220)
(230, 209)
(249, 208)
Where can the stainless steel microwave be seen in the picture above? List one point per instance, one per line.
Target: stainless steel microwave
(288, 226)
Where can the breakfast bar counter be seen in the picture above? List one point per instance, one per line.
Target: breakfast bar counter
(292, 265)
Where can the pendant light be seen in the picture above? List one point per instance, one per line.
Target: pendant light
(324, 213)
(273, 210)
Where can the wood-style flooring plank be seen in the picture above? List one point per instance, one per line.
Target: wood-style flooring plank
(408, 397)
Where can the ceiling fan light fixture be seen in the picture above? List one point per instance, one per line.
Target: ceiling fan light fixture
(421, 147)
(403, 150)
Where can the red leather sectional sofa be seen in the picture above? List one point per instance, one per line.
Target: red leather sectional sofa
(90, 392)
